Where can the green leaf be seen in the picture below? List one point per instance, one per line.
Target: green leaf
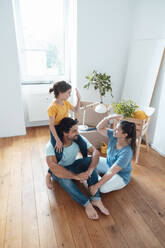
(126, 108)
(101, 82)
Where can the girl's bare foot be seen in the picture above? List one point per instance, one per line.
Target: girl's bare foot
(91, 212)
(100, 206)
(49, 181)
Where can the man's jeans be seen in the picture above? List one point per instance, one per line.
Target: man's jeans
(80, 165)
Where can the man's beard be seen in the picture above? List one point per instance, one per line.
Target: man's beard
(75, 137)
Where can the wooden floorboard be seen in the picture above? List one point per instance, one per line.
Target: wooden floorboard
(30, 231)
(5, 168)
(112, 231)
(13, 232)
(136, 218)
(31, 216)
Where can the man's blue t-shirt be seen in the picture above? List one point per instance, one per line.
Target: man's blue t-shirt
(121, 157)
(69, 153)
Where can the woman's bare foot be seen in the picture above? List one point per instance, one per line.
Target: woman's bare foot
(91, 212)
(100, 206)
(49, 181)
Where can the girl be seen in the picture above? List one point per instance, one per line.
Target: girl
(116, 168)
(57, 111)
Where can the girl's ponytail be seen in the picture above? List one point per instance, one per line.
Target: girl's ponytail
(51, 90)
(60, 87)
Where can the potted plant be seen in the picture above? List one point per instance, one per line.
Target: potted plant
(126, 108)
(102, 83)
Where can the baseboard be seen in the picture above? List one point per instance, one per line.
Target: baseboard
(37, 123)
(158, 150)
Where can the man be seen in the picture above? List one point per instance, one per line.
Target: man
(64, 166)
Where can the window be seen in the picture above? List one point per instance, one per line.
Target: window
(43, 39)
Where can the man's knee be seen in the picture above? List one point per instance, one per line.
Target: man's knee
(86, 161)
(81, 165)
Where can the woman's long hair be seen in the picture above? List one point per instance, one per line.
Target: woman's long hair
(130, 129)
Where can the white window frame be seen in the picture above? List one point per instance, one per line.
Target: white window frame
(67, 40)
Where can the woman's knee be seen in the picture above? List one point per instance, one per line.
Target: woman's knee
(105, 189)
(102, 166)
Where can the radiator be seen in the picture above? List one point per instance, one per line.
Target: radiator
(37, 105)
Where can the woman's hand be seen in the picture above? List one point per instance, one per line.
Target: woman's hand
(93, 189)
(58, 145)
(114, 116)
(89, 171)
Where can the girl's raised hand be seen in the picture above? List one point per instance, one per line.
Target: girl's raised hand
(58, 147)
(78, 94)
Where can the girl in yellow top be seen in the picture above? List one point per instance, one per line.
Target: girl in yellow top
(57, 111)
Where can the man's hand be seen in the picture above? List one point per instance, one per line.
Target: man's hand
(82, 176)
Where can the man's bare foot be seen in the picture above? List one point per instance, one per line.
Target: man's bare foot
(91, 212)
(49, 182)
(100, 206)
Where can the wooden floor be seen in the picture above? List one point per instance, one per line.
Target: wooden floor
(33, 216)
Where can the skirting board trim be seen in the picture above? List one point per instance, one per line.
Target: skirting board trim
(158, 150)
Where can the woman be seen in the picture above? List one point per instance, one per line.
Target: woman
(116, 168)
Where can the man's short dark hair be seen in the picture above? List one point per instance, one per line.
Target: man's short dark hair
(64, 126)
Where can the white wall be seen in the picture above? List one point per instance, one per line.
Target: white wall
(104, 30)
(157, 133)
(11, 108)
(149, 23)
(149, 19)
(103, 35)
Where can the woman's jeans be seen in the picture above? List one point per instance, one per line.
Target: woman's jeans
(80, 165)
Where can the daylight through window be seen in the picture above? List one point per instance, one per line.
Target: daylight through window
(44, 37)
